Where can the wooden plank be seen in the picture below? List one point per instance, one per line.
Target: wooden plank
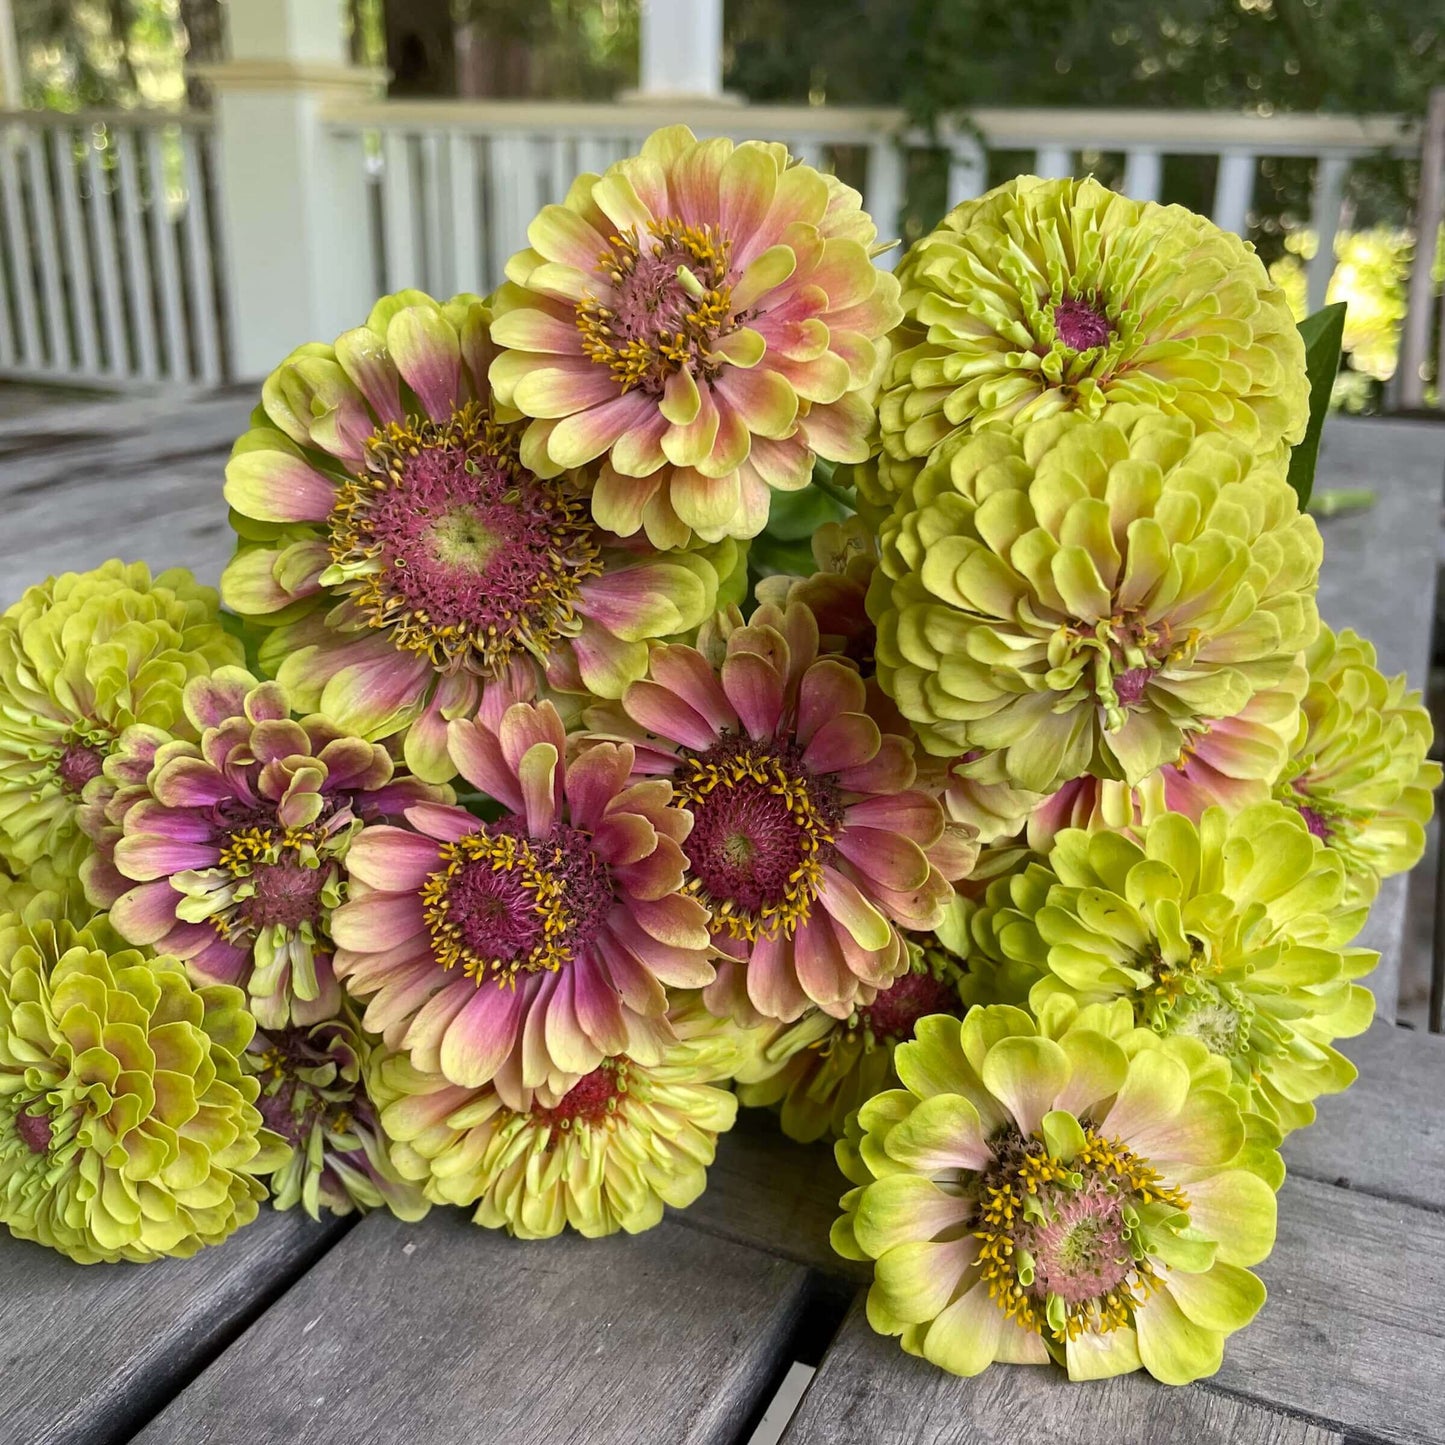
(868, 1392)
(1379, 577)
(88, 1354)
(42, 209)
(465, 1335)
(199, 271)
(1385, 1134)
(107, 261)
(137, 261)
(77, 256)
(17, 238)
(167, 266)
(1354, 1328)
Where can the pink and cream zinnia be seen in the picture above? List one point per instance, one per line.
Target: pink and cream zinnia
(703, 318)
(527, 947)
(402, 557)
(229, 851)
(810, 845)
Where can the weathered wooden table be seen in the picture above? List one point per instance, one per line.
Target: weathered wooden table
(366, 1332)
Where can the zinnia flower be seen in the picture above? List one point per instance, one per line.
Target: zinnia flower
(820, 1068)
(229, 852)
(314, 1095)
(536, 944)
(1359, 771)
(1080, 595)
(703, 317)
(82, 657)
(810, 844)
(127, 1128)
(1047, 296)
(607, 1153)
(1234, 932)
(1228, 762)
(43, 891)
(403, 557)
(1074, 1189)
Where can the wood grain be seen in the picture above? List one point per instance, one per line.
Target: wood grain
(1386, 1133)
(449, 1334)
(868, 1392)
(88, 1353)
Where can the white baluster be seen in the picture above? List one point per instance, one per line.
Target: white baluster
(1233, 191)
(1143, 175)
(967, 169)
(434, 184)
(166, 262)
(137, 271)
(199, 270)
(1053, 163)
(42, 209)
(77, 254)
(883, 188)
(32, 355)
(1326, 200)
(107, 261)
(467, 261)
(399, 212)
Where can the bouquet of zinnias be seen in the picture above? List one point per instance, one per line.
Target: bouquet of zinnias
(533, 802)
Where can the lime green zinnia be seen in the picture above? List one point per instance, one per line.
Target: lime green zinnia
(127, 1128)
(1050, 296)
(1076, 1189)
(605, 1154)
(82, 657)
(1234, 931)
(1359, 773)
(1080, 596)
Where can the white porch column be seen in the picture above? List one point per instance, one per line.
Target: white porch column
(295, 229)
(682, 51)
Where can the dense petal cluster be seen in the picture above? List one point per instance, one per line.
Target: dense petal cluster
(1359, 769)
(1059, 295)
(1074, 1188)
(606, 1154)
(314, 1096)
(1235, 932)
(401, 555)
(810, 845)
(127, 1127)
(229, 851)
(84, 656)
(530, 946)
(703, 318)
(1080, 596)
(819, 1069)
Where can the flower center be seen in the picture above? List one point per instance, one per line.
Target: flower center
(79, 762)
(1218, 1015)
(670, 302)
(763, 827)
(1063, 1245)
(1129, 686)
(281, 878)
(593, 1099)
(1080, 325)
(505, 904)
(34, 1129)
(895, 1012)
(451, 544)
(1316, 823)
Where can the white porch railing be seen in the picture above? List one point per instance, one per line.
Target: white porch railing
(456, 183)
(109, 263)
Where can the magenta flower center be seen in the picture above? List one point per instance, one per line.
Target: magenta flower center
(897, 1009)
(79, 763)
(303, 1085)
(1130, 686)
(459, 551)
(504, 903)
(763, 827)
(287, 893)
(665, 301)
(590, 1100)
(34, 1129)
(1080, 325)
(1062, 1245)
(1315, 823)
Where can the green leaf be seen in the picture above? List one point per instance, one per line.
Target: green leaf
(1324, 335)
(795, 516)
